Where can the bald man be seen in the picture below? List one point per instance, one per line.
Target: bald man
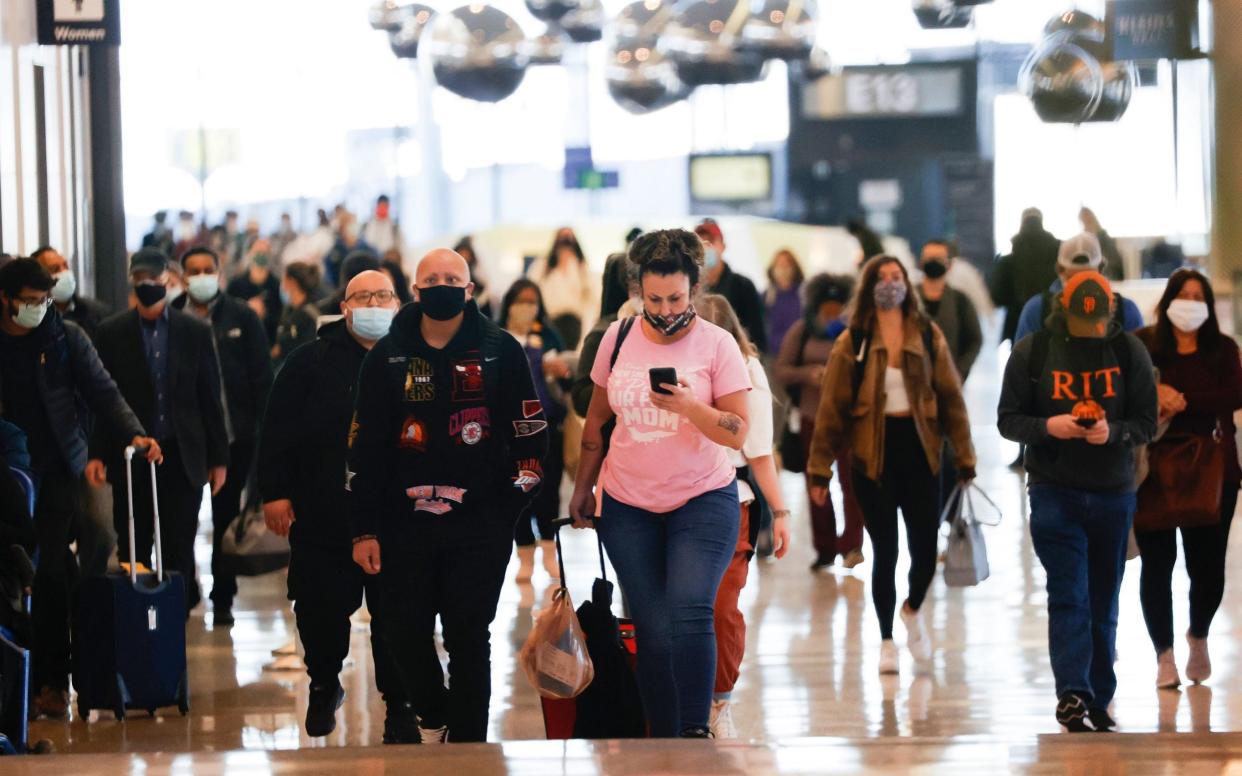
(448, 447)
(301, 476)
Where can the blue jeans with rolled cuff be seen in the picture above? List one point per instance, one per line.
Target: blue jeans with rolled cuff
(670, 566)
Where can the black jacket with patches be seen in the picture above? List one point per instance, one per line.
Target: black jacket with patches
(302, 445)
(1114, 372)
(245, 361)
(456, 434)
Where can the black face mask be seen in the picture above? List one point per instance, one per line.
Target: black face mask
(442, 303)
(150, 295)
(934, 270)
(670, 326)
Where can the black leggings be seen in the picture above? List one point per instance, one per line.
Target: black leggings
(906, 483)
(1205, 565)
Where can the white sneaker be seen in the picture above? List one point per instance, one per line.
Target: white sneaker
(1166, 671)
(888, 657)
(721, 722)
(526, 564)
(1199, 666)
(917, 640)
(432, 735)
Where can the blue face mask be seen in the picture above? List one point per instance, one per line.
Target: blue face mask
(203, 288)
(371, 323)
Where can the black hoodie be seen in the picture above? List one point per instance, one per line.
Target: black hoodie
(1080, 370)
(456, 434)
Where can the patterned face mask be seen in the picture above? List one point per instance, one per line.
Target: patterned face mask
(890, 294)
(670, 326)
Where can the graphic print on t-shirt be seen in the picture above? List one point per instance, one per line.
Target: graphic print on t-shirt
(629, 394)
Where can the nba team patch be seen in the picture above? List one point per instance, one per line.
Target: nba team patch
(529, 475)
(413, 435)
(418, 381)
(468, 380)
(528, 428)
(470, 426)
(531, 408)
(436, 499)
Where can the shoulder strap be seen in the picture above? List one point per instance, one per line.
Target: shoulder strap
(1039, 354)
(862, 350)
(622, 332)
(805, 338)
(1049, 306)
(1122, 352)
(1119, 310)
(490, 347)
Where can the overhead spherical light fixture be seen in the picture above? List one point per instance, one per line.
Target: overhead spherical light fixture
(405, 40)
(942, 14)
(478, 52)
(584, 24)
(702, 39)
(780, 29)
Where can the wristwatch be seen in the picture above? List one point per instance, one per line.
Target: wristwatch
(778, 514)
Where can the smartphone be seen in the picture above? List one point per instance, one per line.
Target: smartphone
(659, 375)
(1086, 422)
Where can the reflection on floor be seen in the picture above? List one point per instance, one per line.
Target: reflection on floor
(983, 704)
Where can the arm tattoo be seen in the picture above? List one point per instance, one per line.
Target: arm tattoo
(730, 422)
(590, 446)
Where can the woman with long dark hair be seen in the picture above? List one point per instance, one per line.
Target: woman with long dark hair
(522, 314)
(1200, 388)
(569, 288)
(891, 395)
(478, 276)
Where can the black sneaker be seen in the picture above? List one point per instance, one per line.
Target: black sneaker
(697, 732)
(1102, 721)
(401, 725)
(321, 710)
(822, 563)
(1073, 715)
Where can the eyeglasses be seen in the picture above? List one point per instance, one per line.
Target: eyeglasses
(359, 298)
(43, 302)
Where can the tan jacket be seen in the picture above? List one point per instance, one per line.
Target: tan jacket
(937, 406)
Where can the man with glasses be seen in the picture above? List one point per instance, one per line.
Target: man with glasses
(246, 368)
(48, 368)
(164, 362)
(302, 477)
(446, 452)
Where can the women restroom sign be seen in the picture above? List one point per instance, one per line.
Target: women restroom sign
(79, 22)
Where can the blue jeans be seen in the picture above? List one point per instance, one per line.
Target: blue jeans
(1080, 539)
(670, 566)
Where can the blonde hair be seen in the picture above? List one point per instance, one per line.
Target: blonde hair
(716, 309)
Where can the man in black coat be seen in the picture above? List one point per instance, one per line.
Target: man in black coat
(302, 478)
(447, 451)
(1026, 272)
(719, 278)
(246, 367)
(50, 375)
(164, 362)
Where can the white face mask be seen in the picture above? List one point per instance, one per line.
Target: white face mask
(1188, 315)
(66, 286)
(203, 288)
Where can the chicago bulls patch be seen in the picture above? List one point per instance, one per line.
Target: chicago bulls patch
(467, 380)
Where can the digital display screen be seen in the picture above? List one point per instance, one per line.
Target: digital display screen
(731, 177)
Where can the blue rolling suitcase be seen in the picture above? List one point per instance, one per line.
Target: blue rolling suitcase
(129, 632)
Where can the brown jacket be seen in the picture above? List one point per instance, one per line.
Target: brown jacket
(858, 425)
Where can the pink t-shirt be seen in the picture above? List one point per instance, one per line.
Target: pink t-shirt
(659, 460)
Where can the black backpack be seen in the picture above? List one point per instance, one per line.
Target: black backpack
(622, 332)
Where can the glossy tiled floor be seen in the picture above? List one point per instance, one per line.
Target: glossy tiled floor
(810, 699)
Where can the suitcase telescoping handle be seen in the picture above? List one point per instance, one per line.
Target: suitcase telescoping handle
(155, 516)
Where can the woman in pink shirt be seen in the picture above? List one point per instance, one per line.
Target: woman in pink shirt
(669, 517)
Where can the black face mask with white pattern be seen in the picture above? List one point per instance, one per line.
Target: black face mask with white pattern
(670, 325)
